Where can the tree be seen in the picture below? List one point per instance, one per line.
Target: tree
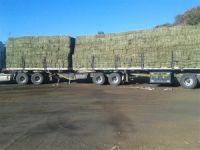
(190, 17)
(164, 25)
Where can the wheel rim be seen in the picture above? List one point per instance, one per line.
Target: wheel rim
(99, 79)
(22, 79)
(115, 79)
(37, 79)
(188, 82)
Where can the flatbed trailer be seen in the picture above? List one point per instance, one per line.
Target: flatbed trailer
(188, 78)
(112, 59)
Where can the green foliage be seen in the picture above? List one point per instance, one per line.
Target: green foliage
(164, 25)
(190, 17)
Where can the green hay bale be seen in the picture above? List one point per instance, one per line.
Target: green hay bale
(39, 52)
(157, 46)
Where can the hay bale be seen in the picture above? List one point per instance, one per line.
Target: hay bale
(125, 50)
(39, 52)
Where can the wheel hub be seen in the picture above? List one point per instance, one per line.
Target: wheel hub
(188, 82)
(99, 79)
(37, 79)
(22, 78)
(115, 79)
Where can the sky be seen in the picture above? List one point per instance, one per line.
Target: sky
(85, 17)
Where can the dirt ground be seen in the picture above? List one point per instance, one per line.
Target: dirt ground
(89, 117)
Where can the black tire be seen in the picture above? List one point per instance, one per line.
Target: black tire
(37, 78)
(189, 81)
(115, 79)
(22, 78)
(99, 79)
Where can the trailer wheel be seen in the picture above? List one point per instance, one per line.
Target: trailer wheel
(99, 79)
(189, 81)
(115, 79)
(22, 78)
(37, 78)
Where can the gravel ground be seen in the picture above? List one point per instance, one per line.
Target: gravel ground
(89, 117)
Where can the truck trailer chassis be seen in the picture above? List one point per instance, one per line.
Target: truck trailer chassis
(187, 78)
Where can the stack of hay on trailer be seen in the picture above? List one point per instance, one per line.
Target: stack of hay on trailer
(39, 52)
(157, 48)
(2, 55)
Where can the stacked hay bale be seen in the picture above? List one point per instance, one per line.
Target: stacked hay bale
(39, 52)
(2, 55)
(157, 48)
